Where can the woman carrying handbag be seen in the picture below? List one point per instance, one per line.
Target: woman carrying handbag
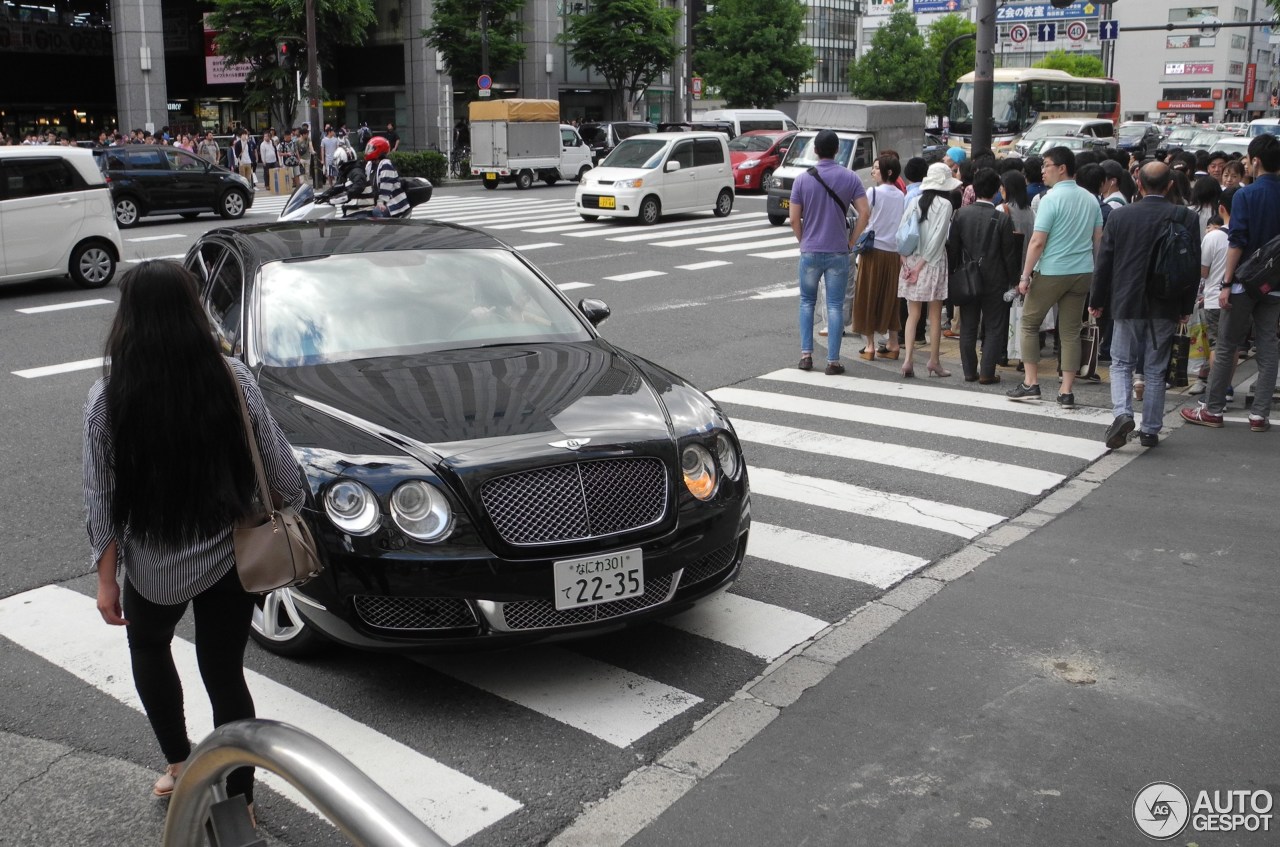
(168, 477)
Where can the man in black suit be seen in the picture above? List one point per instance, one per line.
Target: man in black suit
(1143, 326)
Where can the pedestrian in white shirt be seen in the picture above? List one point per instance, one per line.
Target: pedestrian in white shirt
(1213, 268)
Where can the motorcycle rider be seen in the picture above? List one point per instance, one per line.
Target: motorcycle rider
(383, 187)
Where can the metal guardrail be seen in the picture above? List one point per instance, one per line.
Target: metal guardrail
(360, 808)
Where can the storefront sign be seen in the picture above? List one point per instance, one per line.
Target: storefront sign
(1187, 68)
(921, 7)
(1250, 81)
(216, 69)
(57, 40)
(1044, 11)
(1217, 94)
(879, 7)
(1235, 104)
(1185, 105)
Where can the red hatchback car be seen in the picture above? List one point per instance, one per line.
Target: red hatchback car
(755, 154)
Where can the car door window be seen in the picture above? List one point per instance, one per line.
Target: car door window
(225, 299)
(862, 155)
(707, 151)
(568, 138)
(203, 262)
(147, 160)
(682, 152)
(181, 160)
(37, 177)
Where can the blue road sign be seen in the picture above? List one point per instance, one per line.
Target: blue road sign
(923, 6)
(484, 82)
(1108, 30)
(1044, 11)
(1046, 31)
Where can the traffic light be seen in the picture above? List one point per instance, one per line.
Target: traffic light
(284, 57)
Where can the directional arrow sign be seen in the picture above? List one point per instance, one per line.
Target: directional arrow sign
(1108, 30)
(1046, 32)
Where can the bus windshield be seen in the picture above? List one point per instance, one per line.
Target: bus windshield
(1009, 107)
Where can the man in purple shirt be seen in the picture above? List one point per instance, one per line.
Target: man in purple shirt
(819, 222)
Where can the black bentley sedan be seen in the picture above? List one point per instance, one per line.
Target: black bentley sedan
(482, 466)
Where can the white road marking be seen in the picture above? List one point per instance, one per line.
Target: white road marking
(793, 253)
(578, 226)
(776, 294)
(68, 367)
(1008, 436)
(570, 286)
(636, 275)
(872, 503)
(657, 229)
(537, 246)
(984, 471)
(741, 234)
(452, 803)
(156, 237)
(757, 628)
(702, 266)
(951, 396)
(696, 230)
(608, 702)
(832, 556)
(156, 258)
(742, 248)
(57, 307)
(577, 221)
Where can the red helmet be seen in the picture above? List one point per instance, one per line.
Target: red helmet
(376, 148)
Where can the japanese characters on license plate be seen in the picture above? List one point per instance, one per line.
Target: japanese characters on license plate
(598, 579)
(608, 203)
(785, 203)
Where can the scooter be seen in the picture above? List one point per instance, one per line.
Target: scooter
(305, 204)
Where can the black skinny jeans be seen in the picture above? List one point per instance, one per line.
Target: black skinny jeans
(991, 314)
(222, 615)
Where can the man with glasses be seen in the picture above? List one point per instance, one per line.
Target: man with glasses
(1061, 253)
(1255, 220)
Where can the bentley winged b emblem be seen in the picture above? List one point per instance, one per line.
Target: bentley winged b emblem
(571, 443)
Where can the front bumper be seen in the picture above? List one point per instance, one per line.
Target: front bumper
(626, 201)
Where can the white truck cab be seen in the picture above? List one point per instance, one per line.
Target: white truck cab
(522, 140)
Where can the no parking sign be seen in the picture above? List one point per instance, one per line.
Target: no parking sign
(1019, 35)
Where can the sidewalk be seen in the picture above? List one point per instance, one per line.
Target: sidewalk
(1131, 639)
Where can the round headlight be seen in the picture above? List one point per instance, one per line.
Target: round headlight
(421, 511)
(352, 507)
(699, 471)
(727, 455)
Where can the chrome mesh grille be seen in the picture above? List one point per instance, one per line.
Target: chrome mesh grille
(543, 614)
(715, 562)
(577, 501)
(413, 612)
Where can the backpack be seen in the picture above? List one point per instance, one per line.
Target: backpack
(1260, 273)
(1174, 267)
(909, 229)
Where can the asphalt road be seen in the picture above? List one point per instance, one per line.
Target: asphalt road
(857, 482)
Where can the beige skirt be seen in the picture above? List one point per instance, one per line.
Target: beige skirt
(875, 300)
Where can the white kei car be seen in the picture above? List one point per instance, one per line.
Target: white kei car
(660, 173)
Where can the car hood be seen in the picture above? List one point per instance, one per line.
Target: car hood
(736, 156)
(608, 176)
(447, 405)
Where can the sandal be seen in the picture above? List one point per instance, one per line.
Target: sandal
(806, 362)
(168, 780)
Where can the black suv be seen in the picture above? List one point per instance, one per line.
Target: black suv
(147, 179)
(603, 137)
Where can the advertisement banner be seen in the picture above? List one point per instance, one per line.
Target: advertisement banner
(1186, 68)
(1250, 81)
(1185, 105)
(921, 7)
(1045, 11)
(216, 69)
(879, 7)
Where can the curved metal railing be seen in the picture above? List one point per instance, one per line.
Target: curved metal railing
(360, 808)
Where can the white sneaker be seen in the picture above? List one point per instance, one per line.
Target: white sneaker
(823, 332)
(1198, 388)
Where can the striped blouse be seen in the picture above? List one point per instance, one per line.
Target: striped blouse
(388, 189)
(161, 573)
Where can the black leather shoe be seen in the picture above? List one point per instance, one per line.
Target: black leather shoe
(1148, 439)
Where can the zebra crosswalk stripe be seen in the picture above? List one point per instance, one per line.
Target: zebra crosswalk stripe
(759, 628)
(832, 556)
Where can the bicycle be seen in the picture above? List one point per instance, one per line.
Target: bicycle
(460, 162)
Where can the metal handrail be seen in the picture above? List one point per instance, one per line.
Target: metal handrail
(360, 808)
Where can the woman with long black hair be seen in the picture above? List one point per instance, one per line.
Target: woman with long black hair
(167, 475)
(923, 278)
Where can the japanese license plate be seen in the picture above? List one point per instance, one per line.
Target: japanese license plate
(490, 175)
(784, 203)
(608, 203)
(598, 579)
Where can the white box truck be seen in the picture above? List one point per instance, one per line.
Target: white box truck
(519, 141)
(866, 128)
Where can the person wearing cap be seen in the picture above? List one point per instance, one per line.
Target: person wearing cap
(923, 278)
(953, 158)
(1061, 254)
(820, 198)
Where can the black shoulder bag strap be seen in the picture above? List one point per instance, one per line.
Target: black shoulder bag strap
(813, 172)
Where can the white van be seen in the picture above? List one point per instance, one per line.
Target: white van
(647, 176)
(1270, 126)
(745, 120)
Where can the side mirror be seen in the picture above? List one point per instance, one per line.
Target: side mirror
(672, 166)
(596, 311)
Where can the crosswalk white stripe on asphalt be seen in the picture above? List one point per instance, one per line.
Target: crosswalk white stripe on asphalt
(636, 275)
(57, 307)
(537, 246)
(748, 234)
(832, 556)
(702, 266)
(452, 803)
(478, 219)
(658, 230)
(580, 225)
(776, 294)
(67, 367)
(694, 230)
(869, 502)
(951, 396)
(760, 629)
(570, 286)
(984, 471)
(742, 248)
(793, 253)
(1045, 442)
(608, 702)
(542, 220)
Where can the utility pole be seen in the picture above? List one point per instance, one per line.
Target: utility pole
(313, 78)
(484, 37)
(984, 76)
(688, 60)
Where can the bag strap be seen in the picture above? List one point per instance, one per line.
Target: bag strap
(264, 490)
(813, 172)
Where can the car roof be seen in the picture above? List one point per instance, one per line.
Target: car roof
(667, 136)
(767, 132)
(278, 240)
(16, 151)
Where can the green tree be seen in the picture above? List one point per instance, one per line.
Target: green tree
(958, 62)
(1073, 63)
(252, 29)
(898, 65)
(455, 31)
(628, 42)
(752, 51)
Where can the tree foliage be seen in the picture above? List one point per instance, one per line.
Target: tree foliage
(898, 65)
(1073, 63)
(958, 62)
(252, 29)
(628, 42)
(752, 51)
(455, 31)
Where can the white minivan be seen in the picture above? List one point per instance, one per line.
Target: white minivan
(56, 216)
(745, 120)
(662, 173)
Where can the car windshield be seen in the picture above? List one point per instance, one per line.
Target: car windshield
(1183, 133)
(801, 154)
(1132, 131)
(1045, 128)
(636, 153)
(1205, 140)
(751, 143)
(358, 306)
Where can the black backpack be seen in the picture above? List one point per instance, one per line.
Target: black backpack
(1260, 273)
(1174, 267)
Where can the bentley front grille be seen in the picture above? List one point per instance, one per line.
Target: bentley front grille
(543, 614)
(413, 613)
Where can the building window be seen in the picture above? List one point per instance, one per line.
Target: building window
(1187, 94)
(1190, 37)
(1235, 69)
(1242, 15)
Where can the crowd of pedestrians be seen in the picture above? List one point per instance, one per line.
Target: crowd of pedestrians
(1060, 243)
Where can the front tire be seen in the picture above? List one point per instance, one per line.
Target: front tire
(724, 204)
(127, 212)
(92, 264)
(233, 204)
(650, 211)
(277, 626)
(524, 180)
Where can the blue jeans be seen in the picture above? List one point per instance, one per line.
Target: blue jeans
(833, 268)
(1130, 344)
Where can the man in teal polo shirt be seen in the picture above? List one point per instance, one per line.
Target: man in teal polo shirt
(1068, 229)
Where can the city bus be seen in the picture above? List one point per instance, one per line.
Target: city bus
(1023, 96)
